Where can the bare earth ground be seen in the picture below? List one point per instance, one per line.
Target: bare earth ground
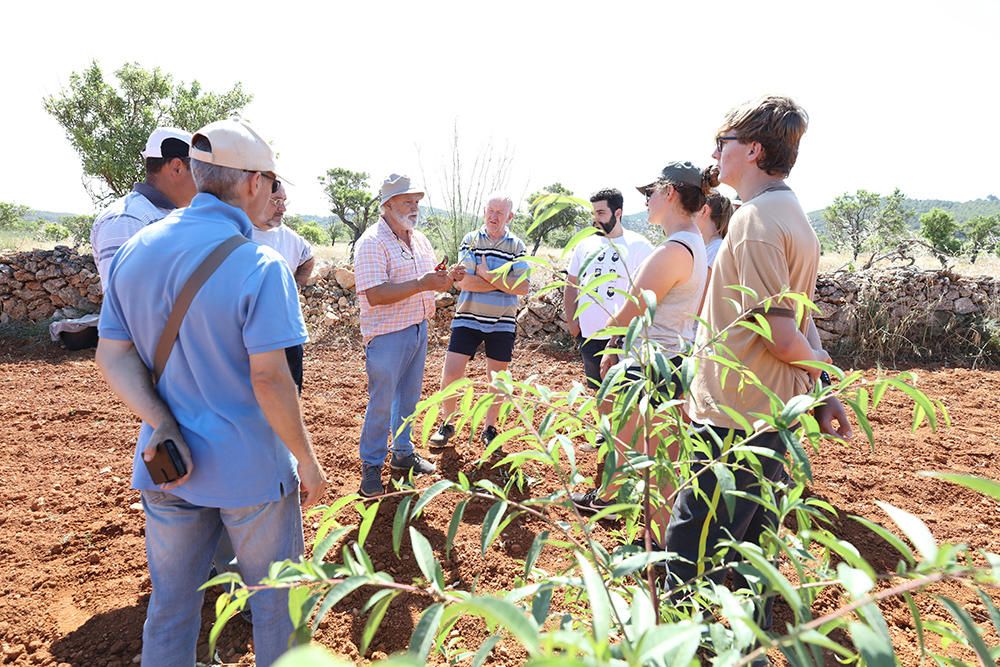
(74, 587)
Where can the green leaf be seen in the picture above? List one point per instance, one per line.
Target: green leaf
(423, 635)
(914, 528)
(600, 606)
(798, 452)
(727, 484)
(491, 524)
(875, 649)
(862, 417)
(297, 598)
(795, 406)
(983, 485)
(534, 551)
(398, 523)
(336, 594)
(972, 632)
(917, 623)
(540, 604)
(456, 519)
(484, 650)
(320, 550)
(990, 608)
(429, 494)
(891, 539)
(778, 582)
(309, 655)
(919, 398)
(424, 556)
(379, 604)
(500, 612)
(367, 519)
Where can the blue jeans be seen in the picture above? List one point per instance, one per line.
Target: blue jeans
(180, 541)
(395, 365)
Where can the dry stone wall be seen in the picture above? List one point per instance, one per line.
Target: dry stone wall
(61, 283)
(43, 284)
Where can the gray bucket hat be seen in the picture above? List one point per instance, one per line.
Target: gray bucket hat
(395, 185)
(675, 172)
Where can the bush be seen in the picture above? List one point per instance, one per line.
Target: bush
(313, 233)
(79, 227)
(611, 611)
(53, 231)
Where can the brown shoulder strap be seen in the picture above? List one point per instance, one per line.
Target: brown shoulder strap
(184, 299)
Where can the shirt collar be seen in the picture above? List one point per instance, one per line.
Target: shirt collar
(206, 205)
(155, 197)
(486, 234)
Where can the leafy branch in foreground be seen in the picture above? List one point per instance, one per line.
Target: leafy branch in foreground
(604, 600)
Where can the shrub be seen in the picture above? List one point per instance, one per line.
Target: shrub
(53, 231)
(610, 609)
(313, 233)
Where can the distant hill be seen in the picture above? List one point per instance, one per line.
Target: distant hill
(962, 211)
(46, 216)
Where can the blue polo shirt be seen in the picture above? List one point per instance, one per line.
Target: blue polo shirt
(249, 305)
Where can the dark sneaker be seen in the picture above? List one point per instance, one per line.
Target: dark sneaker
(415, 462)
(761, 661)
(371, 480)
(440, 439)
(591, 503)
(489, 433)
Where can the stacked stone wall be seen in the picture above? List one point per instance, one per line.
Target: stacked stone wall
(930, 307)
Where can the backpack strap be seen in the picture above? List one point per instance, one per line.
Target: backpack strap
(184, 299)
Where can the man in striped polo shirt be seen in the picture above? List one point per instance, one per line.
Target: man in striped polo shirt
(487, 308)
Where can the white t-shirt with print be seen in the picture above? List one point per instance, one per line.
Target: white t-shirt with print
(287, 242)
(599, 255)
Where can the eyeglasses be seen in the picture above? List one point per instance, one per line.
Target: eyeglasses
(278, 201)
(720, 141)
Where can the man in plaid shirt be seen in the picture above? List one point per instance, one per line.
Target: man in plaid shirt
(396, 281)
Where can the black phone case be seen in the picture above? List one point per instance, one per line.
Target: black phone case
(167, 465)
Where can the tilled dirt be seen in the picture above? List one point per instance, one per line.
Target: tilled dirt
(74, 585)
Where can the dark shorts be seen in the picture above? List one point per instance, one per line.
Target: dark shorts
(499, 344)
(294, 356)
(666, 388)
(589, 352)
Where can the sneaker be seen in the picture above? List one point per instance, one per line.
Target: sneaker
(489, 433)
(587, 447)
(440, 439)
(371, 480)
(591, 503)
(415, 462)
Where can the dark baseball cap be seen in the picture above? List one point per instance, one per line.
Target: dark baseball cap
(675, 172)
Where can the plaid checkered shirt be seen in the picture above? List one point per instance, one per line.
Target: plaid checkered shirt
(381, 257)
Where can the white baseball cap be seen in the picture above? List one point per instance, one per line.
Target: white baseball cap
(234, 144)
(154, 145)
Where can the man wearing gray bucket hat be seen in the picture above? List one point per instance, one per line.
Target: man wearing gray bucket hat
(223, 395)
(394, 268)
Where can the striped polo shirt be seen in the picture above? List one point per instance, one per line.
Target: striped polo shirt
(495, 310)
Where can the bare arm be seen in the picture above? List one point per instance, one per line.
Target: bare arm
(789, 344)
(504, 283)
(386, 293)
(661, 271)
(278, 399)
(304, 271)
(571, 293)
(129, 379)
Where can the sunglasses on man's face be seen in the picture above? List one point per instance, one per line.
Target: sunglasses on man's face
(275, 183)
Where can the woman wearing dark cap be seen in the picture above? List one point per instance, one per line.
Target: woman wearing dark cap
(675, 272)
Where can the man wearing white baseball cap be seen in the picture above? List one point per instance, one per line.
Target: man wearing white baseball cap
(223, 393)
(168, 185)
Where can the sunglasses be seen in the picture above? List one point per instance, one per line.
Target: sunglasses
(720, 141)
(275, 183)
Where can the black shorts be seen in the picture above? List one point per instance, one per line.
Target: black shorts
(666, 388)
(499, 344)
(589, 352)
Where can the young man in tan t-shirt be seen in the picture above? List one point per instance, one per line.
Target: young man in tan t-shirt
(770, 247)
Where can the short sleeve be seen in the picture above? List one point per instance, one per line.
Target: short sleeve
(763, 268)
(371, 266)
(519, 267)
(111, 324)
(574, 261)
(305, 251)
(467, 253)
(273, 315)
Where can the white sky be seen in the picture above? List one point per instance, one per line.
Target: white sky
(591, 94)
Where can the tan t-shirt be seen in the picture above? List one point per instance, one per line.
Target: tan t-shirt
(770, 247)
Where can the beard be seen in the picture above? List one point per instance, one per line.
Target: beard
(604, 228)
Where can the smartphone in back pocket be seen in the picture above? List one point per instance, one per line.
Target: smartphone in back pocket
(167, 465)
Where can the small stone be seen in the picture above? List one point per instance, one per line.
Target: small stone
(38, 504)
(135, 506)
(137, 659)
(105, 470)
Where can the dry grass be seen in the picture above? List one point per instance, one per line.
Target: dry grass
(988, 265)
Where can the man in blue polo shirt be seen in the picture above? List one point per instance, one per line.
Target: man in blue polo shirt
(225, 397)
(487, 308)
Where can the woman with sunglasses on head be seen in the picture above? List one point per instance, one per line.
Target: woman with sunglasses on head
(676, 273)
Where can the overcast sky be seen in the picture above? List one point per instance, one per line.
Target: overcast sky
(591, 94)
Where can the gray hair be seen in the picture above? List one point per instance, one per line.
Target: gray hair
(223, 182)
(500, 197)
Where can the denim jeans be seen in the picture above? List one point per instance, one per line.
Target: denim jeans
(395, 365)
(691, 513)
(180, 541)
